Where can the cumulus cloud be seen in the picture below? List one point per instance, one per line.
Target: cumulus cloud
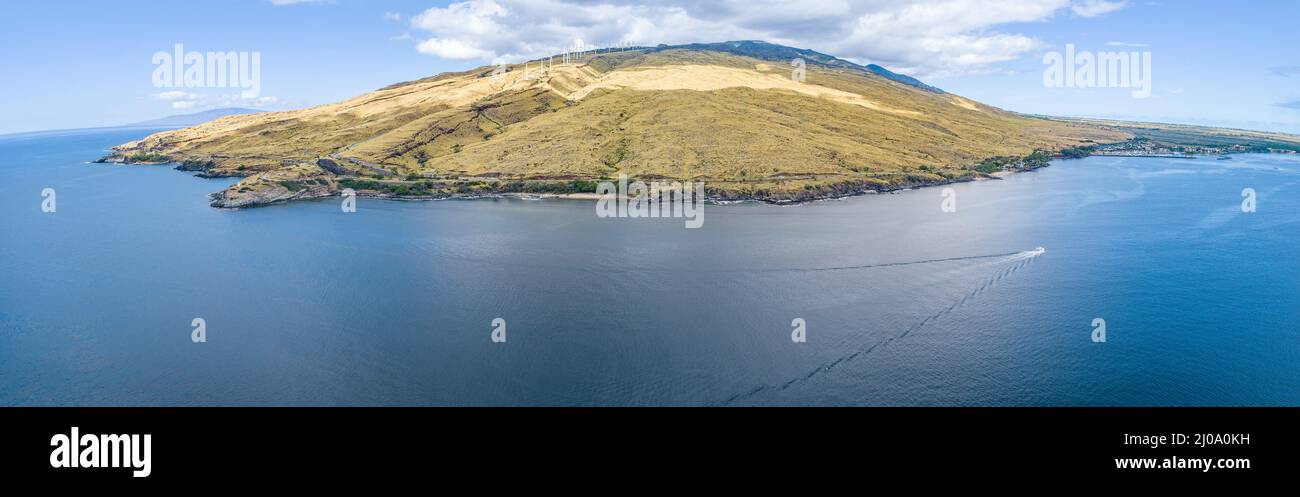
(926, 38)
(1094, 8)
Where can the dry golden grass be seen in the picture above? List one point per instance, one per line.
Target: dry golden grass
(676, 113)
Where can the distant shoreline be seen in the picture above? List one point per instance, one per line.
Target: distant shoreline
(1150, 156)
(68, 131)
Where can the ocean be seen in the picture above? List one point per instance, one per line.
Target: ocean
(901, 303)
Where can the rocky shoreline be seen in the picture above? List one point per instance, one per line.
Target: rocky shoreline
(269, 192)
(222, 199)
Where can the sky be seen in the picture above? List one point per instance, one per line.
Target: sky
(70, 64)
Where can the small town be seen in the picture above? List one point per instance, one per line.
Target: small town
(1143, 147)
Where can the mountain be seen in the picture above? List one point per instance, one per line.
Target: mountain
(769, 51)
(194, 119)
(729, 114)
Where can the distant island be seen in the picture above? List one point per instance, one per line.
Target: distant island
(194, 119)
(752, 120)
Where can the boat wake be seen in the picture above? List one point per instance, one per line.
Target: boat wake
(1024, 254)
(1014, 260)
(1009, 256)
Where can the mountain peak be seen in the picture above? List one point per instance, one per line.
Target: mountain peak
(759, 49)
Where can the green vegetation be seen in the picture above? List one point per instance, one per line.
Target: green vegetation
(553, 187)
(1079, 152)
(420, 188)
(1036, 160)
(428, 187)
(146, 157)
(196, 164)
(996, 164)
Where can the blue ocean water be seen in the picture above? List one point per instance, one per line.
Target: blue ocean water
(393, 304)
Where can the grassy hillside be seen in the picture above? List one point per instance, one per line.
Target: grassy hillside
(728, 114)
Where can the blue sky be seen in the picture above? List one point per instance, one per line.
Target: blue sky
(86, 64)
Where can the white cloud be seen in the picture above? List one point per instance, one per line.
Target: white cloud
(175, 95)
(925, 38)
(184, 100)
(452, 49)
(1094, 8)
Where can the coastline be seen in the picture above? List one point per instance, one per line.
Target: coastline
(333, 186)
(836, 191)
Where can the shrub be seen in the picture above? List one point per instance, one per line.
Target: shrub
(1078, 152)
(146, 157)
